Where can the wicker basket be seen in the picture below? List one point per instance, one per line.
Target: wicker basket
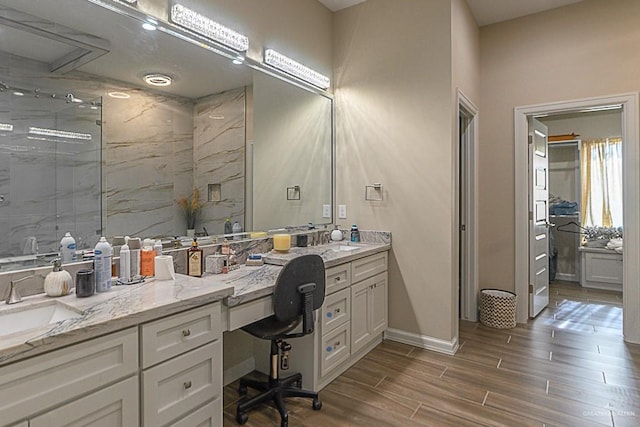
(498, 308)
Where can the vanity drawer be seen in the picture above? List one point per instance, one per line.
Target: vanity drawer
(178, 386)
(336, 310)
(334, 348)
(368, 267)
(209, 415)
(338, 277)
(173, 335)
(243, 314)
(35, 384)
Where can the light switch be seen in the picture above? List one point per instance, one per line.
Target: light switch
(342, 211)
(326, 211)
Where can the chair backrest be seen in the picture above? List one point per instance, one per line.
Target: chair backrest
(288, 300)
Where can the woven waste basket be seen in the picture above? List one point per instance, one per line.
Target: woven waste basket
(498, 308)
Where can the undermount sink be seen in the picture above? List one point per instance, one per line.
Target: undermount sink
(346, 248)
(24, 316)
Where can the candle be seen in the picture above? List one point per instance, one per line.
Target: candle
(281, 242)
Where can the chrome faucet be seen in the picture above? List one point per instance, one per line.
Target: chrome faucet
(14, 296)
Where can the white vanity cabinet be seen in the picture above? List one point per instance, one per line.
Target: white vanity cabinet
(351, 320)
(41, 388)
(181, 361)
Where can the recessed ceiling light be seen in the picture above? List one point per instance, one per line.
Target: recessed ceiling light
(119, 95)
(157, 79)
(18, 93)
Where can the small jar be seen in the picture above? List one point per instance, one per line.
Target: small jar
(85, 283)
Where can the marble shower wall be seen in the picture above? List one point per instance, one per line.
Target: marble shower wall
(219, 158)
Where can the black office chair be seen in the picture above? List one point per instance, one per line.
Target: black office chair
(299, 291)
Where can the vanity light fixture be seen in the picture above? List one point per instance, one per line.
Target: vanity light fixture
(59, 133)
(6, 127)
(289, 66)
(16, 93)
(204, 26)
(157, 79)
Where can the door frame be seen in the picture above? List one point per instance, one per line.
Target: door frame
(631, 197)
(469, 294)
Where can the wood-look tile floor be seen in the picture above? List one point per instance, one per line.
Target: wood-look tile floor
(568, 367)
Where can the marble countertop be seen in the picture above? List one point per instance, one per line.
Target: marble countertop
(126, 306)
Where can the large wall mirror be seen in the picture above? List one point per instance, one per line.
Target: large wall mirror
(87, 146)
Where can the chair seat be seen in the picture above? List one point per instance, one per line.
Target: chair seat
(270, 328)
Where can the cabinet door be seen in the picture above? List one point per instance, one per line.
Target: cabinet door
(360, 330)
(114, 406)
(379, 305)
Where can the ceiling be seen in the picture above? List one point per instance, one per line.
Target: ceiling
(485, 11)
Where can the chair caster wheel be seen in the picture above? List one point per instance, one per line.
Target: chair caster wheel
(317, 404)
(242, 418)
(242, 390)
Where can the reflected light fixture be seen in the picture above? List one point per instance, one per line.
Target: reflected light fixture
(296, 69)
(119, 95)
(202, 25)
(157, 79)
(60, 133)
(238, 60)
(149, 26)
(6, 127)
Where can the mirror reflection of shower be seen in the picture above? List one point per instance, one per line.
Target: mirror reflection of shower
(50, 174)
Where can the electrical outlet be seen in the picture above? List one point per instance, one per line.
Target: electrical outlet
(342, 211)
(326, 211)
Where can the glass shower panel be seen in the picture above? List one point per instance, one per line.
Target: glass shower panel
(50, 176)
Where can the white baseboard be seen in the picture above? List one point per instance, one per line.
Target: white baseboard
(238, 370)
(421, 341)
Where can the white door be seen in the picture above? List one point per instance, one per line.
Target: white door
(538, 218)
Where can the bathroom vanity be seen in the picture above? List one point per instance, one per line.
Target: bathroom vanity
(151, 354)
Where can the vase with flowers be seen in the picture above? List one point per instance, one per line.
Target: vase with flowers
(191, 205)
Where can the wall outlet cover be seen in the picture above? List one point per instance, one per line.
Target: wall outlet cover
(342, 211)
(326, 211)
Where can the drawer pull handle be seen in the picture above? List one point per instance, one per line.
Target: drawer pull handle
(336, 344)
(337, 310)
(338, 279)
(187, 385)
(186, 332)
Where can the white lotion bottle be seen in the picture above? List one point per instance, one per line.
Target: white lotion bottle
(157, 246)
(102, 265)
(68, 249)
(125, 261)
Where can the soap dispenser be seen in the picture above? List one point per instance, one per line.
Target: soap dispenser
(336, 234)
(59, 282)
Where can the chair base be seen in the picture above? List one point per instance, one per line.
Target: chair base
(276, 390)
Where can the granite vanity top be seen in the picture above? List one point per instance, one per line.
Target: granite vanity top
(126, 306)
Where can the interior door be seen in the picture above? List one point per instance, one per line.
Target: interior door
(538, 218)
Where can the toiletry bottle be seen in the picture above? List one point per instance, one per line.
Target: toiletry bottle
(355, 234)
(157, 246)
(228, 227)
(226, 251)
(237, 228)
(195, 261)
(68, 248)
(125, 262)
(134, 248)
(336, 234)
(59, 282)
(102, 265)
(147, 257)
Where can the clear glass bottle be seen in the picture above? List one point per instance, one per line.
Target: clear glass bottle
(195, 260)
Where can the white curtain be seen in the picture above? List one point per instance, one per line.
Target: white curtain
(601, 174)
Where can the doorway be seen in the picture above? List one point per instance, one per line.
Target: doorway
(466, 209)
(631, 196)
